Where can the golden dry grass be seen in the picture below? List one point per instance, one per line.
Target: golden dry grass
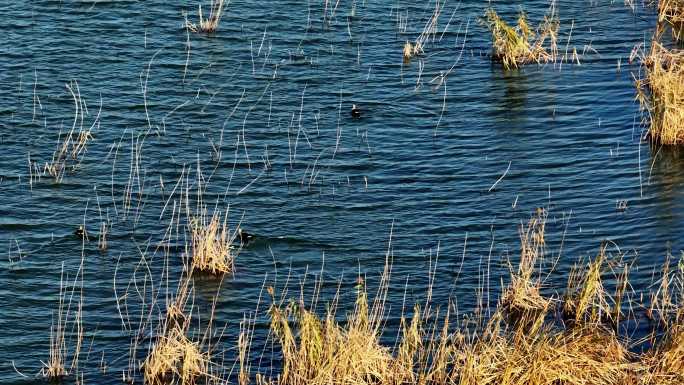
(210, 23)
(521, 343)
(174, 359)
(671, 12)
(583, 356)
(661, 94)
(522, 301)
(517, 45)
(211, 244)
(321, 351)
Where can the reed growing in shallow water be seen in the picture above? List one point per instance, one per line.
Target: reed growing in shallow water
(528, 339)
(210, 23)
(211, 244)
(517, 45)
(661, 94)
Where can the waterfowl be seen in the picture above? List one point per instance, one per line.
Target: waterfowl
(245, 237)
(355, 112)
(81, 232)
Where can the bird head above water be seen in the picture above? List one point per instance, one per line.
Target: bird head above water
(355, 112)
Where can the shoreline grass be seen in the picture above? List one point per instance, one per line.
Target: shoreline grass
(535, 346)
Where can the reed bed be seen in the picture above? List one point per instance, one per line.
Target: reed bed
(661, 94)
(523, 342)
(519, 44)
(181, 353)
(210, 23)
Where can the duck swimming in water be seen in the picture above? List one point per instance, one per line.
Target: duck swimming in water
(245, 237)
(81, 233)
(355, 112)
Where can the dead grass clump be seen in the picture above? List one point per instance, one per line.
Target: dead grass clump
(411, 50)
(518, 45)
(522, 301)
(661, 94)
(586, 300)
(321, 351)
(583, 356)
(174, 359)
(211, 244)
(209, 24)
(671, 12)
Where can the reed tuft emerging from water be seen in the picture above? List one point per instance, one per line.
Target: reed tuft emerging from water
(175, 359)
(211, 244)
(661, 94)
(517, 45)
(211, 23)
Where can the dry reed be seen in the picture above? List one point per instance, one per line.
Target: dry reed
(66, 331)
(522, 301)
(211, 23)
(211, 244)
(175, 359)
(520, 344)
(72, 146)
(517, 45)
(661, 94)
(671, 12)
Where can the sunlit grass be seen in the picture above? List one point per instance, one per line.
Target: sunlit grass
(661, 94)
(519, 44)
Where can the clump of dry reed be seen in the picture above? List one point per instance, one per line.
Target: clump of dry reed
(410, 50)
(211, 244)
(661, 94)
(569, 357)
(175, 359)
(428, 33)
(585, 299)
(517, 45)
(671, 12)
(66, 331)
(522, 301)
(321, 351)
(209, 24)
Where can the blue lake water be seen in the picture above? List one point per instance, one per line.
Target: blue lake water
(274, 86)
